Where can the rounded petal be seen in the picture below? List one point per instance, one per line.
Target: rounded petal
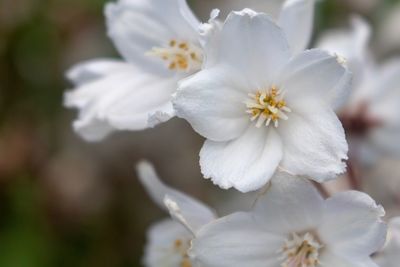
(235, 241)
(296, 20)
(137, 26)
(161, 241)
(116, 102)
(389, 256)
(246, 163)
(195, 213)
(291, 204)
(314, 143)
(352, 225)
(314, 74)
(212, 103)
(254, 45)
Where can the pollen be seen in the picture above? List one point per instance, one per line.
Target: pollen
(180, 247)
(266, 107)
(300, 251)
(179, 55)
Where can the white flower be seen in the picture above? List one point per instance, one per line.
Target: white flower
(390, 255)
(259, 107)
(370, 114)
(159, 43)
(169, 241)
(291, 225)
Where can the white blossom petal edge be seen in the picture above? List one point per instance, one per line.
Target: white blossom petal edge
(291, 225)
(260, 107)
(389, 256)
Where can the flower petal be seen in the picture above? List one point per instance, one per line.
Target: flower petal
(235, 241)
(161, 239)
(137, 26)
(91, 71)
(246, 163)
(330, 259)
(315, 73)
(254, 45)
(314, 143)
(212, 104)
(352, 225)
(116, 102)
(296, 20)
(350, 44)
(194, 212)
(94, 69)
(291, 204)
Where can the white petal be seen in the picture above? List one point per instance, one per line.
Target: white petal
(329, 259)
(94, 69)
(291, 204)
(352, 225)
(296, 20)
(350, 44)
(195, 213)
(385, 99)
(91, 71)
(390, 256)
(212, 103)
(314, 143)
(271, 7)
(210, 37)
(314, 73)
(161, 239)
(246, 163)
(137, 26)
(236, 241)
(254, 45)
(122, 101)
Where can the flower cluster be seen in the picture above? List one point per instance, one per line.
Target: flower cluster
(276, 116)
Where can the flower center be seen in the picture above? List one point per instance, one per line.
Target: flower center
(181, 247)
(266, 107)
(179, 55)
(300, 251)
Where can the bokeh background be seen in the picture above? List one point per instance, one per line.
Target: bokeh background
(65, 202)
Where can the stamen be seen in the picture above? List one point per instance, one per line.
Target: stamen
(267, 106)
(179, 55)
(181, 247)
(300, 251)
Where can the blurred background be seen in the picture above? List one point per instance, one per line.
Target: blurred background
(65, 202)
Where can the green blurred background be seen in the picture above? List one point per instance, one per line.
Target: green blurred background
(64, 202)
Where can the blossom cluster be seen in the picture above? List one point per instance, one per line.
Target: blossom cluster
(278, 118)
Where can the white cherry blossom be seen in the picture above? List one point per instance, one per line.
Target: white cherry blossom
(260, 106)
(369, 114)
(168, 241)
(291, 225)
(160, 44)
(389, 256)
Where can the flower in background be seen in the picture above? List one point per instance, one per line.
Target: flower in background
(168, 240)
(389, 256)
(160, 44)
(370, 114)
(291, 225)
(259, 107)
